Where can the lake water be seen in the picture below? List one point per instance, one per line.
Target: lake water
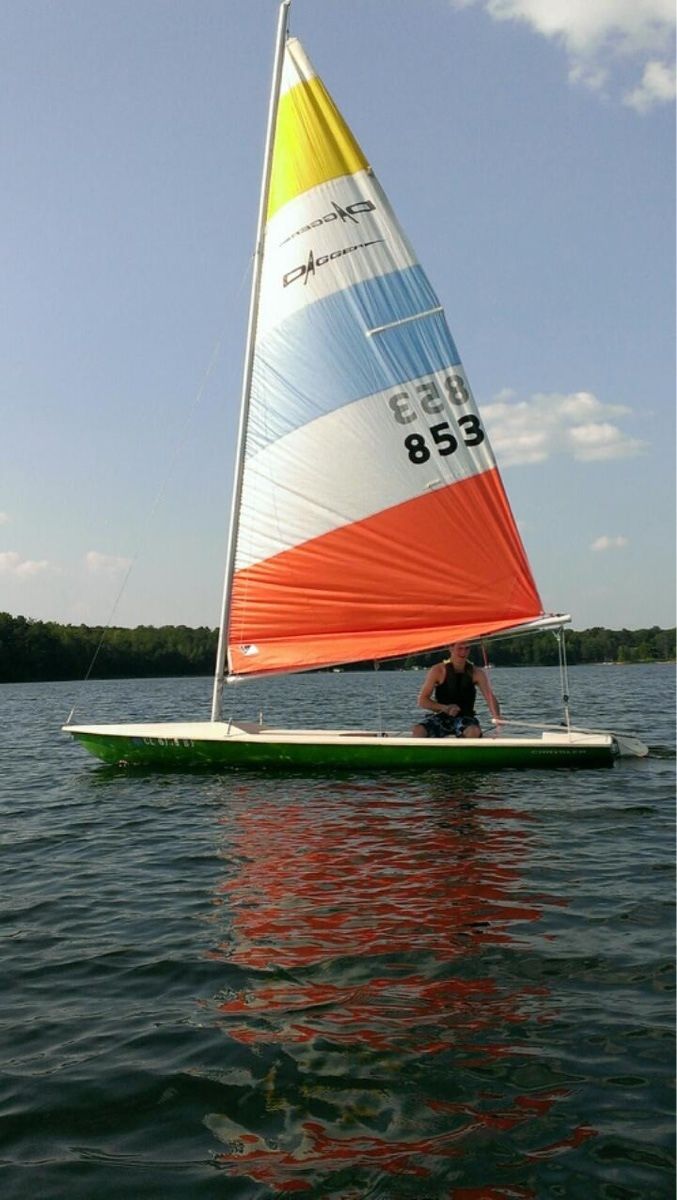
(246, 987)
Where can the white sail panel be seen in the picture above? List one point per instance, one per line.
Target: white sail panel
(296, 67)
(337, 235)
(359, 459)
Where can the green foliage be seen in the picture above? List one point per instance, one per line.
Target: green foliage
(586, 646)
(35, 650)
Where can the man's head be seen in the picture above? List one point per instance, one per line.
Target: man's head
(459, 651)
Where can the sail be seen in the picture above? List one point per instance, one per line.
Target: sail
(372, 521)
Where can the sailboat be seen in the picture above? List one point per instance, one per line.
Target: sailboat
(369, 519)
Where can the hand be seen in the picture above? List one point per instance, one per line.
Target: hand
(453, 710)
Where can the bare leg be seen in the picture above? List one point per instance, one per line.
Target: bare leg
(472, 731)
(419, 731)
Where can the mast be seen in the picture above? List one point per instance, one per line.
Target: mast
(281, 38)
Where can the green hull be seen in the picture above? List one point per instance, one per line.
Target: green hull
(257, 754)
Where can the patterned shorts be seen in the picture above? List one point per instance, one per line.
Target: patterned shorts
(440, 725)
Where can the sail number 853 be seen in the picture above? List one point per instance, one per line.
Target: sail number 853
(432, 402)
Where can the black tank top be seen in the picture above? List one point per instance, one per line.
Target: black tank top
(457, 687)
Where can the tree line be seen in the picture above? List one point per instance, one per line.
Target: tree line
(585, 646)
(31, 651)
(39, 650)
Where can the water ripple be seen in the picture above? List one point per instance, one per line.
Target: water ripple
(424, 988)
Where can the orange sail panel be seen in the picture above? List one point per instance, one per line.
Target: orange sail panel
(372, 519)
(439, 568)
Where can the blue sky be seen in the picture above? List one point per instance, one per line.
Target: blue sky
(528, 149)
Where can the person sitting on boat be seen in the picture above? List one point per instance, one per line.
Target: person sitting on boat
(449, 691)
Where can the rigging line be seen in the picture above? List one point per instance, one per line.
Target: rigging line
(563, 674)
(197, 399)
(485, 656)
(379, 709)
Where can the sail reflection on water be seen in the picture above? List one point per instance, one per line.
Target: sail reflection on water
(366, 925)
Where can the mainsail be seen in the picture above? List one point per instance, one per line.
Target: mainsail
(372, 521)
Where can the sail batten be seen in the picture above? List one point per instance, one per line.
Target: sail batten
(320, 359)
(431, 312)
(373, 522)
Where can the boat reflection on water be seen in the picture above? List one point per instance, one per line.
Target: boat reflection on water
(385, 1024)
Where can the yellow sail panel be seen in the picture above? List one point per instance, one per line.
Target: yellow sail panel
(312, 144)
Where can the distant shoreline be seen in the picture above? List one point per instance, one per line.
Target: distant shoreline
(45, 651)
(356, 669)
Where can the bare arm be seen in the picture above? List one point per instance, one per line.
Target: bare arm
(480, 678)
(425, 697)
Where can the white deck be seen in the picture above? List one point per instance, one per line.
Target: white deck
(218, 731)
